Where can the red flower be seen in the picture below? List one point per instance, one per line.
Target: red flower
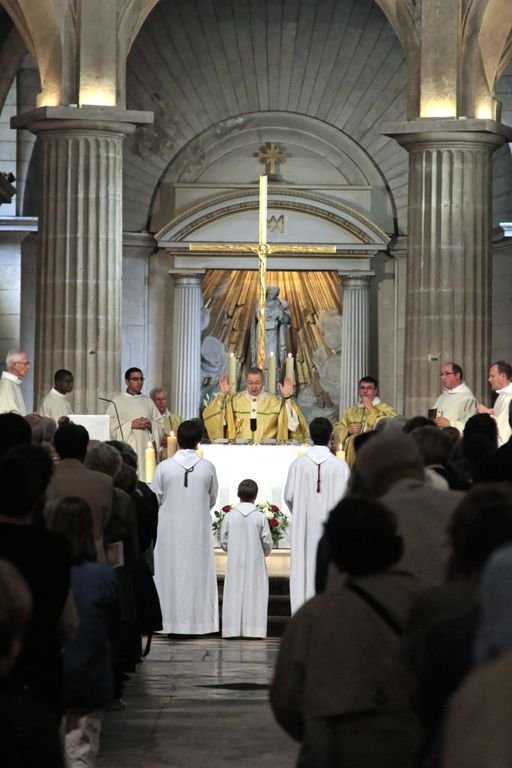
(273, 508)
(227, 508)
(274, 522)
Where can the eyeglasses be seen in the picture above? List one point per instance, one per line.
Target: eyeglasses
(136, 378)
(447, 373)
(20, 363)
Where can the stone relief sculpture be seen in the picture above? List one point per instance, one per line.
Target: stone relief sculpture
(322, 396)
(277, 323)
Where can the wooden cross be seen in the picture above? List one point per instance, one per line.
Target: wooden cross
(262, 250)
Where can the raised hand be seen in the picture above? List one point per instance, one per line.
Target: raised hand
(286, 387)
(224, 385)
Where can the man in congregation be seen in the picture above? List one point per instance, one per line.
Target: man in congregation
(361, 417)
(135, 419)
(316, 482)
(254, 413)
(500, 379)
(11, 396)
(456, 403)
(56, 404)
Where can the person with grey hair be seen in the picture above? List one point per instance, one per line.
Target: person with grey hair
(500, 379)
(391, 468)
(11, 396)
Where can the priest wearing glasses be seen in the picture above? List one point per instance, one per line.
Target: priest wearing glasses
(254, 414)
(134, 418)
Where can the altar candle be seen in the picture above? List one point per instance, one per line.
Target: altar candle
(288, 372)
(271, 374)
(303, 450)
(150, 461)
(232, 369)
(200, 451)
(340, 453)
(172, 445)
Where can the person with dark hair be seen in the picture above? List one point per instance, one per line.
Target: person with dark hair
(435, 448)
(416, 422)
(245, 536)
(315, 483)
(73, 478)
(443, 620)
(500, 379)
(456, 403)
(88, 678)
(55, 404)
(29, 734)
(186, 489)
(254, 413)
(361, 417)
(340, 686)
(14, 430)
(43, 559)
(135, 419)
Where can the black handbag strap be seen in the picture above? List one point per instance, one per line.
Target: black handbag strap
(379, 609)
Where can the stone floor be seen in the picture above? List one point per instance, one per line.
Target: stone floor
(198, 702)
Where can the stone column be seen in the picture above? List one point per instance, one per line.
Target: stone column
(354, 334)
(186, 344)
(448, 313)
(78, 313)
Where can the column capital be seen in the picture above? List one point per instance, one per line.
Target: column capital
(187, 277)
(428, 131)
(72, 118)
(356, 279)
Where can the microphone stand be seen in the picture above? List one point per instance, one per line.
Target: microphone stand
(107, 400)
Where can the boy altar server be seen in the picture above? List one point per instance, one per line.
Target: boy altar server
(186, 489)
(316, 483)
(245, 535)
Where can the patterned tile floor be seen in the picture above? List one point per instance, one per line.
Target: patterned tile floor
(199, 702)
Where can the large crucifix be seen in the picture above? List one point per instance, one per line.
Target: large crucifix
(262, 249)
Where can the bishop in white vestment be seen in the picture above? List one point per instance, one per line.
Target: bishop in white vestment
(316, 482)
(186, 489)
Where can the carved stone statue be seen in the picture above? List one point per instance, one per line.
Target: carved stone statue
(277, 322)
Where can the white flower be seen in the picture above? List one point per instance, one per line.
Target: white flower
(269, 515)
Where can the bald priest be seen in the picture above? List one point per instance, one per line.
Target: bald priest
(254, 413)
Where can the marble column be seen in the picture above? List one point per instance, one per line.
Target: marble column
(78, 312)
(354, 334)
(448, 313)
(186, 344)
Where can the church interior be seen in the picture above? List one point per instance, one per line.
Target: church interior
(133, 134)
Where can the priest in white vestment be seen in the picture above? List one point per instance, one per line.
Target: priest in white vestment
(245, 536)
(186, 489)
(456, 404)
(316, 482)
(56, 404)
(134, 418)
(11, 396)
(500, 379)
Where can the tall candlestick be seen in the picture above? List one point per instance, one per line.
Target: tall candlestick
(150, 460)
(172, 445)
(289, 369)
(271, 374)
(232, 369)
(340, 453)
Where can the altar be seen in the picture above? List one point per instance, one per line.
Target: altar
(267, 465)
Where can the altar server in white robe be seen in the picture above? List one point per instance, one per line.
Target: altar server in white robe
(245, 535)
(186, 489)
(137, 420)
(56, 404)
(316, 483)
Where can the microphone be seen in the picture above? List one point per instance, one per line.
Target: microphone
(107, 400)
(253, 425)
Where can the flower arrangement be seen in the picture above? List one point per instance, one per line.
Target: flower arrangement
(277, 520)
